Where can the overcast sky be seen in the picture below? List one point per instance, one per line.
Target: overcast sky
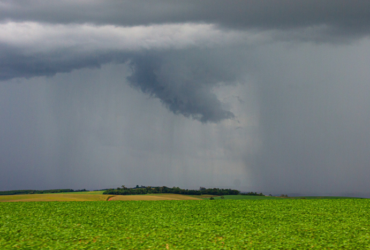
(269, 96)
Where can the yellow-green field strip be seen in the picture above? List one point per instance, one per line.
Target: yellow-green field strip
(91, 197)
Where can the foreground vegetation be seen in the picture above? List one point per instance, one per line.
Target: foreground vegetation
(218, 224)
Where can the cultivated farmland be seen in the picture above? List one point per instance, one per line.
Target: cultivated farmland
(53, 197)
(191, 224)
(92, 196)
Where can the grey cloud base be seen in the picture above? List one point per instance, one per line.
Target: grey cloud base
(342, 17)
(182, 82)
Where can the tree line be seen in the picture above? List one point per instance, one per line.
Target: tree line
(253, 193)
(12, 192)
(175, 190)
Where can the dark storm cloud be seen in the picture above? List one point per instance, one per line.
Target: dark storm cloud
(183, 85)
(14, 64)
(338, 17)
(182, 80)
(189, 95)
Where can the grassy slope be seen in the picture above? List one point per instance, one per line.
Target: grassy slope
(236, 197)
(53, 197)
(253, 197)
(327, 197)
(91, 196)
(246, 197)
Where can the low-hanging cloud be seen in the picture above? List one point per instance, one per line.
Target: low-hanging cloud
(183, 87)
(33, 49)
(34, 37)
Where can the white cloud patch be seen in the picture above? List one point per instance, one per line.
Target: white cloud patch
(37, 37)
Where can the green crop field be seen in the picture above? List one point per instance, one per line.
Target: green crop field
(327, 197)
(246, 197)
(256, 197)
(192, 224)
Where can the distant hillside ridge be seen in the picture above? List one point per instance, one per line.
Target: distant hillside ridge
(49, 191)
(174, 190)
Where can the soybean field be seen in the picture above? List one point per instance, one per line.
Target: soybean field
(187, 224)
